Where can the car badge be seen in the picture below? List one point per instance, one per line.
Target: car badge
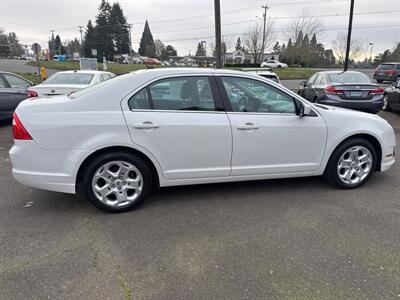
(53, 91)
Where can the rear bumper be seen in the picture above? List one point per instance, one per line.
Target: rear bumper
(369, 106)
(53, 170)
(385, 77)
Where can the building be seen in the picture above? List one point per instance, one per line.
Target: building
(239, 57)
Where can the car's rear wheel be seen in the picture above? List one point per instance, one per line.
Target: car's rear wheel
(351, 164)
(117, 182)
(379, 81)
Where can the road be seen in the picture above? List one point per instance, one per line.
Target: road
(276, 239)
(20, 66)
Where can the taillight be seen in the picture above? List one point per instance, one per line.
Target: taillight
(330, 89)
(32, 94)
(19, 131)
(378, 91)
(390, 72)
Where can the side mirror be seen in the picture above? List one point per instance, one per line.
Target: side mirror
(303, 83)
(305, 110)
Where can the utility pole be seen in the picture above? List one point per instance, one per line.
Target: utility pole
(265, 7)
(218, 46)
(130, 42)
(370, 53)
(81, 31)
(346, 61)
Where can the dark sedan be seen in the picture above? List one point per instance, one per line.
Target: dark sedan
(349, 89)
(392, 97)
(13, 89)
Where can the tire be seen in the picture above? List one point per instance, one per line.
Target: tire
(358, 146)
(130, 185)
(386, 106)
(279, 66)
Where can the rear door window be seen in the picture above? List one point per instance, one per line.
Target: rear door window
(182, 93)
(386, 67)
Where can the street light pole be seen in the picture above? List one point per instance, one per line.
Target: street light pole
(218, 46)
(370, 53)
(346, 61)
(265, 7)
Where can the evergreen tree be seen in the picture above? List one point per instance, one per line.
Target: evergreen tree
(147, 46)
(103, 32)
(52, 46)
(58, 46)
(4, 47)
(277, 48)
(239, 44)
(15, 47)
(119, 26)
(200, 50)
(89, 41)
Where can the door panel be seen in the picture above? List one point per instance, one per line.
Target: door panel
(268, 135)
(278, 144)
(178, 122)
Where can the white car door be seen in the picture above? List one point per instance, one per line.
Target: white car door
(180, 120)
(268, 136)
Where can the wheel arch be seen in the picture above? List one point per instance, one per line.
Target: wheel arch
(370, 138)
(88, 159)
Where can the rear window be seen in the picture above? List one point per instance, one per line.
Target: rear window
(386, 67)
(70, 78)
(93, 87)
(348, 78)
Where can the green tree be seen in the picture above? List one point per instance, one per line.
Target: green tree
(89, 40)
(4, 46)
(167, 52)
(15, 47)
(52, 45)
(200, 50)
(119, 26)
(239, 45)
(147, 46)
(277, 48)
(103, 32)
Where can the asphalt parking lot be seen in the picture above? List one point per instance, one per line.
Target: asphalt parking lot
(277, 239)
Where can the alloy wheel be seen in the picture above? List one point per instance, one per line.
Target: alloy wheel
(354, 165)
(117, 183)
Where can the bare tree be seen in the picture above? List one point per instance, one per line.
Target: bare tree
(254, 41)
(307, 24)
(159, 47)
(357, 46)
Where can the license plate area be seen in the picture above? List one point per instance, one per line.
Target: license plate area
(356, 94)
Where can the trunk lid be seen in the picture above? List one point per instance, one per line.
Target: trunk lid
(45, 90)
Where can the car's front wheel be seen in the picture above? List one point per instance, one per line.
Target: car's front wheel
(117, 182)
(351, 164)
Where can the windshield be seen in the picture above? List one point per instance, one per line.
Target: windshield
(70, 78)
(348, 78)
(386, 67)
(93, 87)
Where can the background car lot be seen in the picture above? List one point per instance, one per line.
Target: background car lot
(295, 238)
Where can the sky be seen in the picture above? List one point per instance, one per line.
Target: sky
(184, 23)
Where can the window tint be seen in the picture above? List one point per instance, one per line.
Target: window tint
(320, 80)
(248, 95)
(312, 78)
(2, 83)
(386, 67)
(140, 100)
(397, 67)
(16, 82)
(183, 93)
(348, 77)
(70, 78)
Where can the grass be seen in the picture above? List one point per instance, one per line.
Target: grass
(284, 74)
(29, 76)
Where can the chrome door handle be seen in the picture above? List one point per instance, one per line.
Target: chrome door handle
(145, 125)
(248, 126)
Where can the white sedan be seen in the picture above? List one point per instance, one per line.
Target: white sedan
(63, 83)
(273, 64)
(117, 141)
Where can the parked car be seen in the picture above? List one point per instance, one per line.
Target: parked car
(115, 142)
(264, 72)
(349, 89)
(392, 97)
(63, 83)
(273, 64)
(387, 72)
(13, 89)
